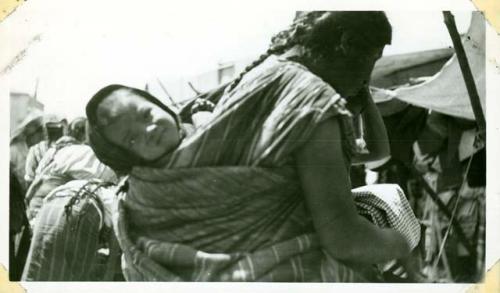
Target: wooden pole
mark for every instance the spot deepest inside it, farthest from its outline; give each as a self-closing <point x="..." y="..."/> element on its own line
<point x="166" y="92"/>
<point x="35" y="94"/>
<point x="442" y="207"/>
<point x="449" y="20"/>
<point x="197" y="92"/>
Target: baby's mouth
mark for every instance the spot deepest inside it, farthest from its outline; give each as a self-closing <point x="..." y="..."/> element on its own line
<point x="154" y="137"/>
<point x="157" y="136"/>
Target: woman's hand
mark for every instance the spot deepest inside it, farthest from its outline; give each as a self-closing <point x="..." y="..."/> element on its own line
<point x="325" y="181"/>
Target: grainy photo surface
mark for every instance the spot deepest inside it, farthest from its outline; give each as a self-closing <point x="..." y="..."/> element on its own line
<point x="317" y="146"/>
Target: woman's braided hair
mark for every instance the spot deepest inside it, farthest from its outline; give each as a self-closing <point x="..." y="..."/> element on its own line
<point x="320" y="32"/>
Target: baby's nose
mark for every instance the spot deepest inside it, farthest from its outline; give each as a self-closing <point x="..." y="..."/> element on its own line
<point x="150" y="128"/>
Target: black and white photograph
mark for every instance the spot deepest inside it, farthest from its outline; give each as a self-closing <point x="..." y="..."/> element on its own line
<point x="164" y="142"/>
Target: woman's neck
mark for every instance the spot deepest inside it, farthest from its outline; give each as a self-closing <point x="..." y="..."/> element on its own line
<point x="305" y="57"/>
<point x="295" y="53"/>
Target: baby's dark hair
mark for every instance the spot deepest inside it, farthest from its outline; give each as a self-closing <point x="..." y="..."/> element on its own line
<point x="116" y="157"/>
<point x="321" y="31"/>
<point x="91" y="109"/>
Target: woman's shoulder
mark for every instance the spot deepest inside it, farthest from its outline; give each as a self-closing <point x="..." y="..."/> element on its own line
<point x="297" y="68"/>
<point x="285" y="66"/>
<point x="300" y="76"/>
<point x="287" y="73"/>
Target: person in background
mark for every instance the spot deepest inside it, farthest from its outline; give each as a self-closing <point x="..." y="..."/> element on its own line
<point x="27" y="135"/>
<point x="73" y="238"/>
<point x="445" y="152"/>
<point x="77" y="129"/>
<point x="54" y="128"/>
<point x="69" y="159"/>
<point x="18" y="226"/>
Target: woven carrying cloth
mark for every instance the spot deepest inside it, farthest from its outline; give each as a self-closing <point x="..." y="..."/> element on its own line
<point x="227" y="204"/>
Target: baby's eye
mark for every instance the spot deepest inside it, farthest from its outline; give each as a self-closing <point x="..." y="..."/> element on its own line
<point x="146" y="113"/>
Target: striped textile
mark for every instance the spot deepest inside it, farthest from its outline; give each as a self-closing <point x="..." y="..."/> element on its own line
<point x="228" y="205"/>
<point x="35" y="155"/>
<point x="61" y="165"/>
<point x="68" y="234"/>
<point x="386" y="206"/>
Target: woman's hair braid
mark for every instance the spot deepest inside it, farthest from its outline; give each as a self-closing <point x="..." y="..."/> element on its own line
<point x="280" y="42"/>
<point x="320" y="32"/>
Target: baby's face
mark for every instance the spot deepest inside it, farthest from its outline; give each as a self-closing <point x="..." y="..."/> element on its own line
<point x="137" y="125"/>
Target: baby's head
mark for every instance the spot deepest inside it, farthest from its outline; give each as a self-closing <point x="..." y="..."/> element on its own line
<point x="130" y="127"/>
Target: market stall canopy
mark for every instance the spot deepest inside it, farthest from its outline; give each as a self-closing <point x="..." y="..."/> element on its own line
<point x="446" y="92"/>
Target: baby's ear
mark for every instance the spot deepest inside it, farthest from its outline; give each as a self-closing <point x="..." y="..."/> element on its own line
<point x="102" y="114"/>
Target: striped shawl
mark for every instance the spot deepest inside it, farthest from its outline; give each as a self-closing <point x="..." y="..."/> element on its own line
<point x="227" y="205"/>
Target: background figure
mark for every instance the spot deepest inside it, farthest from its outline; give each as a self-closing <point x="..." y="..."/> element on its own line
<point x="19" y="226"/>
<point x="435" y="149"/>
<point x="78" y="129"/>
<point x="73" y="238"/>
<point x="447" y="158"/>
<point x="69" y="159"/>
<point x="27" y="135"/>
<point x="54" y="129"/>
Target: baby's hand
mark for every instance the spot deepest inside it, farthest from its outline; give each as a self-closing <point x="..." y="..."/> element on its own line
<point x="202" y="105"/>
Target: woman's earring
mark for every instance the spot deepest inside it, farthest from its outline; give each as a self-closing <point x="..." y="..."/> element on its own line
<point x="339" y="50"/>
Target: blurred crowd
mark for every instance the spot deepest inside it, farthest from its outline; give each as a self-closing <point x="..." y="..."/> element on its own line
<point x="51" y="171"/>
<point x="440" y="163"/>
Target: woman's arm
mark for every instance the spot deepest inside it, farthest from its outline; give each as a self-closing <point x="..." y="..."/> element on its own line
<point x="375" y="136"/>
<point x="343" y="233"/>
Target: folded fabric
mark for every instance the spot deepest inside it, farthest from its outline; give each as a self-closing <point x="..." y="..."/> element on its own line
<point x="386" y="206"/>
